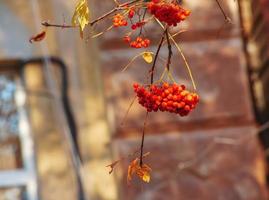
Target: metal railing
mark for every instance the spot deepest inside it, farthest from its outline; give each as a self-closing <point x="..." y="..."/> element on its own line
<point x="28" y="175"/>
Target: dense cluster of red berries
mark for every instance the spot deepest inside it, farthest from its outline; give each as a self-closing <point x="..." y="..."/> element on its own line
<point x="166" y="97"/>
<point x="119" y="20"/>
<point x="138" y="43"/>
<point x="170" y="13"/>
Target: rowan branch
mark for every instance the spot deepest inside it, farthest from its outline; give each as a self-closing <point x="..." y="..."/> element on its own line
<point x="156" y="56"/>
<point x="143" y="139"/>
<point x="117" y="8"/>
<point x="227" y="19"/>
<point x="170" y="52"/>
<point x="47" y="24"/>
<point x="116" y="2"/>
<point x="181" y="54"/>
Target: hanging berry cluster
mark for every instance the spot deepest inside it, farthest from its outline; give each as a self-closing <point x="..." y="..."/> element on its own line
<point x="170" y="13"/>
<point x="118" y="20"/>
<point x="133" y="16"/>
<point x="171" y="98"/>
<point x="138" y="43"/>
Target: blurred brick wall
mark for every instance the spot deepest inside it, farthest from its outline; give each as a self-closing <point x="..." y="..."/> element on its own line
<point x="214" y="51"/>
<point x="222" y="164"/>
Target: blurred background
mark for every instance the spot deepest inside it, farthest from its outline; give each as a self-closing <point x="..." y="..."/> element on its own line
<point x="218" y="152"/>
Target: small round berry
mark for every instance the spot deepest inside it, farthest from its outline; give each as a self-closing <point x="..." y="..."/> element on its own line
<point x="131" y="13"/>
<point x="133" y="26"/>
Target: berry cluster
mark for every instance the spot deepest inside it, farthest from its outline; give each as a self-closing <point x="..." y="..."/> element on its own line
<point x="170" y="13"/>
<point x="138" y="43"/>
<point x="118" y="20"/>
<point x="166" y="97"/>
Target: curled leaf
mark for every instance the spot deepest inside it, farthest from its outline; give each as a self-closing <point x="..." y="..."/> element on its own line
<point x="112" y="166"/>
<point x="147" y="56"/>
<point x="37" y="38"/>
<point x="81" y="16"/>
<point x="143" y="172"/>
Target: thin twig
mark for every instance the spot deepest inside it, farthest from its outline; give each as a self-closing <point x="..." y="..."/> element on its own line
<point x="156" y="56"/>
<point x="185" y="61"/>
<point x="208" y="149"/>
<point x="170" y="52"/>
<point x="143" y="139"/>
<point x="128" y="110"/>
<point x="264" y="127"/>
<point x="113" y="164"/>
<point x="47" y="24"/>
<point x="203" y="153"/>
<point x="227" y="19"/>
<point x="133" y="59"/>
<point x="101" y="33"/>
<point x="143" y="20"/>
<point x="116" y="2"/>
<point x="119" y="7"/>
<point x="181" y="53"/>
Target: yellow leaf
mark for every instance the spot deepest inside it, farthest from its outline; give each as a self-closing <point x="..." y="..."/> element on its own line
<point x="81" y="16"/>
<point x="146" y="177"/>
<point x="147" y="56"/>
<point x="143" y="172"/>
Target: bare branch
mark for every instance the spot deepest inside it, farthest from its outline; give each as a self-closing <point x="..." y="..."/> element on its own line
<point x="170" y="52"/>
<point x="143" y="138"/>
<point x="156" y="56"/>
<point x="119" y="7"/>
<point x="47" y="24"/>
<point x="227" y="19"/>
<point x="181" y="53"/>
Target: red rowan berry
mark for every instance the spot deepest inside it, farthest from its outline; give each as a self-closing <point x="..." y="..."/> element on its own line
<point x="135" y="85"/>
<point x="127" y="39"/>
<point x="133" y="26"/>
<point x="131" y="13"/>
<point x="139" y="39"/>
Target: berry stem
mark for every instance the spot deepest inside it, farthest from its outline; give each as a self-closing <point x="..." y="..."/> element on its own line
<point x="170" y="52"/>
<point x="156" y="56"/>
<point x="181" y="53"/>
<point x="142" y="140"/>
<point x="128" y="110"/>
<point x="143" y="19"/>
<point x="185" y="61"/>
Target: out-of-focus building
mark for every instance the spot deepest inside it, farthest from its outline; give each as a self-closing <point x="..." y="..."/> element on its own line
<point x="214" y="153"/>
<point x="19" y="21"/>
